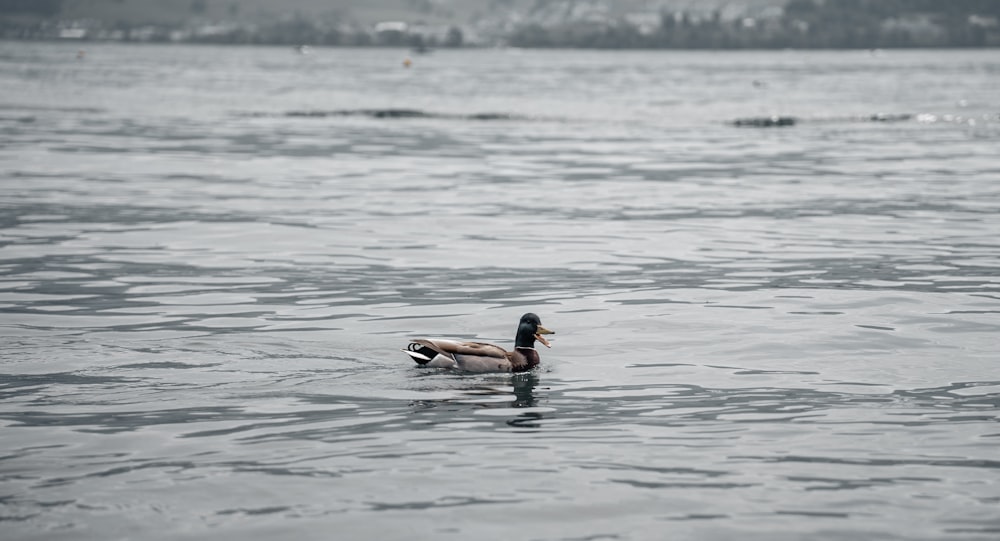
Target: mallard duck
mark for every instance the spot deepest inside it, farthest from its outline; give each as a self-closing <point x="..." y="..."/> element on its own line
<point x="481" y="357"/>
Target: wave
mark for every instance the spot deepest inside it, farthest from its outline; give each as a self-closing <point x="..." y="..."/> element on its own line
<point x="391" y="113"/>
<point x="772" y="121"/>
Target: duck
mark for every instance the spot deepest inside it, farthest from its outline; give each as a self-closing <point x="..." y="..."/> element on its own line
<point x="483" y="357"/>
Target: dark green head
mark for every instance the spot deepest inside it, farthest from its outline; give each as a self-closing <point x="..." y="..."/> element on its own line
<point x="530" y="329"/>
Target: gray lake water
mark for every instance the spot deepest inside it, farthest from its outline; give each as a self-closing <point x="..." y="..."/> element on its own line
<point x="211" y="257"/>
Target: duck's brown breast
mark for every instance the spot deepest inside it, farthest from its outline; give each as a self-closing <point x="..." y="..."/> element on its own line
<point x="524" y="359"/>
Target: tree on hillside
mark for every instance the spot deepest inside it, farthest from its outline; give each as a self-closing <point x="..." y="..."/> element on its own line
<point x="199" y="7"/>
<point x="43" y="8"/>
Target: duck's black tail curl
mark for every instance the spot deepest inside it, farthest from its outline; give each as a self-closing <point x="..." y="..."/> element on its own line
<point x="420" y="353"/>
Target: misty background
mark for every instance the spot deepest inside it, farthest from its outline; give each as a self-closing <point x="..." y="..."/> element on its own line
<point x="522" y="23"/>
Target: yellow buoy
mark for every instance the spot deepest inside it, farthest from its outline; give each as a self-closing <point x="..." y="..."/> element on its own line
<point x="407" y="62"/>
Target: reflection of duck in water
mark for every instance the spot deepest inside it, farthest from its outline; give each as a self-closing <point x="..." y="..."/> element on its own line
<point x="481" y="357"/>
<point x="488" y="392"/>
<point x="524" y="390"/>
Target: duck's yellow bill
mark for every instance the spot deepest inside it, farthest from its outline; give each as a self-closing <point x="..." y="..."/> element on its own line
<point x="538" y="336"/>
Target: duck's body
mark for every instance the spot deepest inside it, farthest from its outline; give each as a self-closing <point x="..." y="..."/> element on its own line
<point x="482" y="357"/>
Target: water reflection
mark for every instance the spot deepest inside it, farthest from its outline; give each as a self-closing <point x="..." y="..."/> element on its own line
<point x="492" y="392"/>
<point x="524" y="390"/>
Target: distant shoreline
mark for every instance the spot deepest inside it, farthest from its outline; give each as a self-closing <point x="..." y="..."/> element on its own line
<point x="81" y="43"/>
<point x="795" y="24"/>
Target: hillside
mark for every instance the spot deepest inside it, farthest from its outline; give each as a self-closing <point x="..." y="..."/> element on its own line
<point x="709" y="24"/>
<point x="363" y="12"/>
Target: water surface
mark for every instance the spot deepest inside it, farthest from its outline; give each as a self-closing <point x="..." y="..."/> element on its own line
<point x="210" y="257"/>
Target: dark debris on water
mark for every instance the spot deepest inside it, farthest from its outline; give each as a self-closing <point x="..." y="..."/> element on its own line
<point x="783" y="121"/>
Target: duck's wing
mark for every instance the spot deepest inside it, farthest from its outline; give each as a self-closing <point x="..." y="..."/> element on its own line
<point x="467" y="356"/>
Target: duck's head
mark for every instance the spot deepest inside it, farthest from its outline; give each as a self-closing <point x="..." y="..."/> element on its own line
<point x="530" y="329"/>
